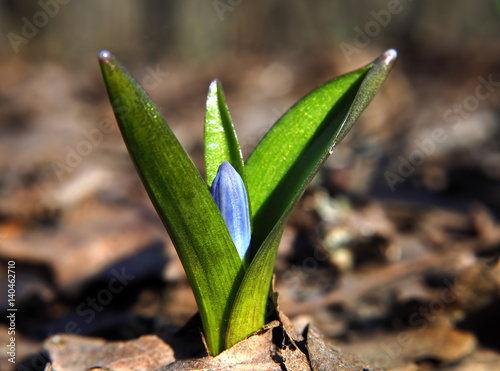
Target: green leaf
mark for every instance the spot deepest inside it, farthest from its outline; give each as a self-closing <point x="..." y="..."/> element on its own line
<point x="221" y="142"/>
<point x="282" y="164"/>
<point x="249" y="311"/>
<point x="281" y="167"/>
<point x="181" y="199"/>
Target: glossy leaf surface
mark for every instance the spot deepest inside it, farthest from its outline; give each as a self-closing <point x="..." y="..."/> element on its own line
<point x="220" y="140"/>
<point x="181" y="199"/>
<point x="281" y="167"/>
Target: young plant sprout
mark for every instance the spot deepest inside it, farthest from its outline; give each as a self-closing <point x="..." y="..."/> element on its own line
<point x="228" y="243"/>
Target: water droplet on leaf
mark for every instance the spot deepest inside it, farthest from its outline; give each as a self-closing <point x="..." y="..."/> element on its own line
<point x="332" y="148"/>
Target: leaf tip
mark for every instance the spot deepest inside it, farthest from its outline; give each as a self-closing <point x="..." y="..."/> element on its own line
<point x="215" y="86"/>
<point x="105" y="56"/>
<point x="212" y="88"/>
<point x="215" y="82"/>
<point x="389" y="57"/>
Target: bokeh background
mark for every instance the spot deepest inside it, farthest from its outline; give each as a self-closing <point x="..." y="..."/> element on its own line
<point x="407" y="207"/>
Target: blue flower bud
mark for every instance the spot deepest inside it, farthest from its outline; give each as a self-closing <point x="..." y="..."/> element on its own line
<point x="230" y="196"/>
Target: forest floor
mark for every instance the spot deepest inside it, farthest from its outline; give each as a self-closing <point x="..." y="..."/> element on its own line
<point x="392" y="253"/>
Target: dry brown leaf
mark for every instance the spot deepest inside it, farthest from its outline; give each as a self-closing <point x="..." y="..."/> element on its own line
<point x="325" y="357"/>
<point x="273" y="347"/>
<point x="76" y="353"/>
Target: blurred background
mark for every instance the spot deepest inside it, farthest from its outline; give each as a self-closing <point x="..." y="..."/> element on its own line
<point x="406" y="208"/>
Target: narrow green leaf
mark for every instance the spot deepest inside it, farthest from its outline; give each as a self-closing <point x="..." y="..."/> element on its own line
<point x="281" y="167"/>
<point x="249" y="311"/>
<point x="181" y="199"/>
<point x="377" y="74"/>
<point x="221" y="142"/>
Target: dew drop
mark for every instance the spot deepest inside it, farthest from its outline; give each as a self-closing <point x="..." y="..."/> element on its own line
<point x="332" y="148"/>
<point x="104" y="56"/>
